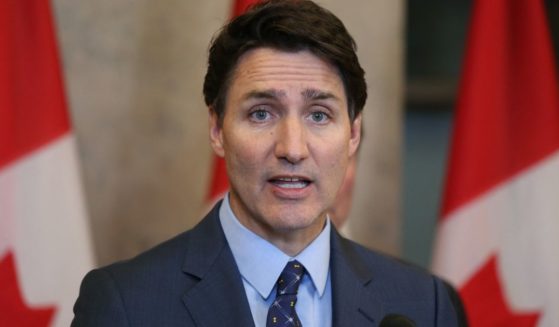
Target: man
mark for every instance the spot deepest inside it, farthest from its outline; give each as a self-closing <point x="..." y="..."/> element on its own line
<point x="285" y="92"/>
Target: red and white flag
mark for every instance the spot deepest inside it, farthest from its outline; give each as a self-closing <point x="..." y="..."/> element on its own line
<point x="498" y="238"/>
<point x="219" y="184"/>
<point x="44" y="241"/>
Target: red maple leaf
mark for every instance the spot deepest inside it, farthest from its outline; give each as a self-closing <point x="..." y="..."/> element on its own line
<point x="13" y="310"/>
<point x="486" y="304"/>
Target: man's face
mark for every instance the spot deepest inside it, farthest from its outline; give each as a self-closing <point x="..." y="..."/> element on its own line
<point x="286" y="138"/>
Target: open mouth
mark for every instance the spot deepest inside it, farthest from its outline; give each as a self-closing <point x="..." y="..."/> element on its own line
<point x="290" y="182"/>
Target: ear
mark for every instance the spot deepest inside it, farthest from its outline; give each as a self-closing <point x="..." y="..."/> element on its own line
<point x="216" y="133"/>
<point x="355" y="135"/>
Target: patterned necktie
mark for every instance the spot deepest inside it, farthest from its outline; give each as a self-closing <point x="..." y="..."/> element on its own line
<point x="282" y="311"/>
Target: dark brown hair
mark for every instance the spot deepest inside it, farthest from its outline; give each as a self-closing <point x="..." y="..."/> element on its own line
<point x="287" y="25"/>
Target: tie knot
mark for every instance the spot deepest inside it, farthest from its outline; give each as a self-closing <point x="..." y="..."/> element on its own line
<point x="290" y="278"/>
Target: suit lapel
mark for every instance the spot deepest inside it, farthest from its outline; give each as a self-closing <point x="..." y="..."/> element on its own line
<point x="352" y="303"/>
<point x="218" y="298"/>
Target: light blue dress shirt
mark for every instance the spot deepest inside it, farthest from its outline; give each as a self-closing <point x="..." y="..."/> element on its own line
<point x="260" y="264"/>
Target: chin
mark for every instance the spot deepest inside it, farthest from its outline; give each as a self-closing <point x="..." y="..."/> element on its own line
<point x="292" y="220"/>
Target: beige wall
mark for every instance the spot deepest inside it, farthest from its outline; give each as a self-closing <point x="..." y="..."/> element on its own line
<point x="134" y="72"/>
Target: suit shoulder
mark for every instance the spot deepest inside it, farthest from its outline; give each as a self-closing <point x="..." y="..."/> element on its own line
<point x="394" y="272"/>
<point x="148" y="289"/>
<point x="204" y="239"/>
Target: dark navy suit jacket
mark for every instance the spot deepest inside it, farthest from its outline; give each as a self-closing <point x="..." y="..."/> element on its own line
<point x="192" y="280"/>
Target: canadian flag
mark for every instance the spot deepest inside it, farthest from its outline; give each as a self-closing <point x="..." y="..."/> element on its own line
<point x="498" y="238"/>
<point x="44" y="242"/>
<point x="219" y="184"/>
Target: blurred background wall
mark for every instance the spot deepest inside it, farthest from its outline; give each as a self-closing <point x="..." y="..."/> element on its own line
<point x="133" y="78"/>
<point x="134" y="73"/>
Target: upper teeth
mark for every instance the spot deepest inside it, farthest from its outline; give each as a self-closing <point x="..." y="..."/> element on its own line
<point x="291" y="183"/>
<point x="289" y="179"/>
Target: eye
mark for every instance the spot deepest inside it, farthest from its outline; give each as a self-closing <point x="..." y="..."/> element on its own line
<point x="319" y="117"/>
<point x="260" y="115"/>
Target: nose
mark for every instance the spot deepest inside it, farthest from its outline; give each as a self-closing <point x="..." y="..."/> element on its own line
<point x="291" y="141"/>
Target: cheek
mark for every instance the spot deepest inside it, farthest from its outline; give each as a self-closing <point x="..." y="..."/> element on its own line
<point x="243" y="153"/>
<point x="335" y="160"/>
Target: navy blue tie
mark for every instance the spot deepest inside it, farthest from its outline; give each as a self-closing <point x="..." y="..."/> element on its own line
<point x="282" y="311"/>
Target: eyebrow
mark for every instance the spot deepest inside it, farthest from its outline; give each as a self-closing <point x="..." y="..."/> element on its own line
<point x="314" y="94"/>
<point x="265" y="94"/>
<point x="308" y="94"/>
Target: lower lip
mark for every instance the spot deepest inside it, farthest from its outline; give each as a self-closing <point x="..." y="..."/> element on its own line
<point x="290" y="193"/>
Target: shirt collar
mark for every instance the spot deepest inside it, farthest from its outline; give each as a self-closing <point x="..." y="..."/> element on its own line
<point x="260" y="262"/>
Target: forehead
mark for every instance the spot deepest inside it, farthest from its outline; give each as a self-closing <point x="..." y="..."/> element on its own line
<point x="267" y="68"/>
